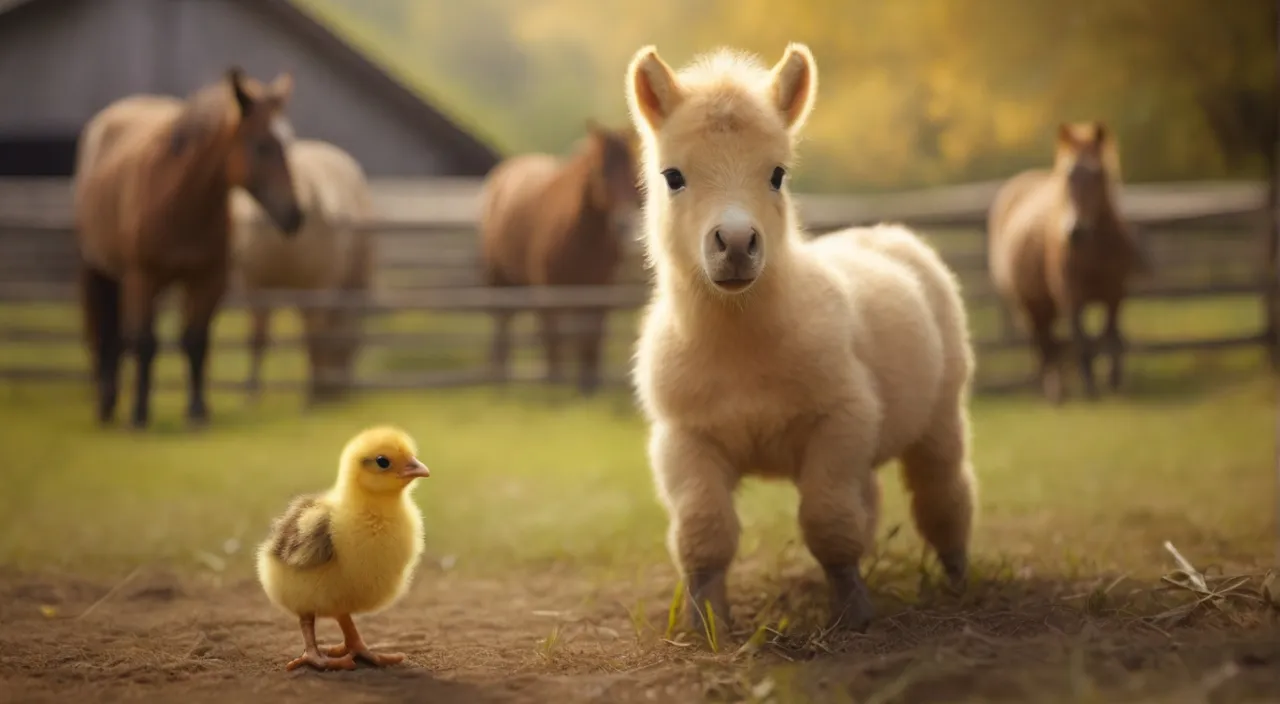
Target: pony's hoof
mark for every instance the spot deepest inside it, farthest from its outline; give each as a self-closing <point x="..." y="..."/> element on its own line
<point x="851" y="609"/>
<point x="956" y="566"/>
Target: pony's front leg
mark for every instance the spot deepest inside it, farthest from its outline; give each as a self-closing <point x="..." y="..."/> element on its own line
<point x="839" y="500"/>
<point x="201" y="301"/>
<point x="696" y="482"/>
<point x="1084" y="350"/>
<point x="1115" y="345"/>
<point x="140" y="293"/>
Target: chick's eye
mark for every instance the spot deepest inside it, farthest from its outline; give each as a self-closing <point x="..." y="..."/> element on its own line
<point x="675" y="179"/>
<point x="775" y="181"/>
<point x="382" y="461"/>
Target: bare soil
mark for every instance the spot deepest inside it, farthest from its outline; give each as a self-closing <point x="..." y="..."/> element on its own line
<point x="157" y="636"/>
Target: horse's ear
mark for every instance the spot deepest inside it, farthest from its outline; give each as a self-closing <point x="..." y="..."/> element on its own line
<point x="282" y="87"/>
<point x="592" y="126"/>
<point x="795" y="85"/>
<point x="652" y="90"/>
<point x="1100" y="133"/>
<point x="1066" y="135"/>
<point x="235" y="76"/>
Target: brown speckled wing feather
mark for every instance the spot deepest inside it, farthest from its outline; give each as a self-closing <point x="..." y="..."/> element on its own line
<point x="300" y="538"/>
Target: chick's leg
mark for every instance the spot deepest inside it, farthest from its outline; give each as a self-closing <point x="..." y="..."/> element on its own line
<point x="311" y="655"/>
<point x="353" y="644"/>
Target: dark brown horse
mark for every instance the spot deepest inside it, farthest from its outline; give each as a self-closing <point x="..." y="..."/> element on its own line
<point x="1057" y="242"/>
<point x="152" y="184"/>
<point x="551" y="222"/>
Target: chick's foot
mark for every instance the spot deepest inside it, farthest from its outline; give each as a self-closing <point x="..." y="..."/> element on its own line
<point x="353" y="644"/>
<point x="320" y="662"/>
<point x="362" y="652"/>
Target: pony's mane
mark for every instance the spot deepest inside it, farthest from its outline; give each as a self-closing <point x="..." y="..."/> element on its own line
<point x="723" y="66"/>
<point x="205" y="113"/>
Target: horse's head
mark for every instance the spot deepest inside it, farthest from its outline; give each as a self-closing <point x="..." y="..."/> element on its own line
<point x="719" y="137"/>
<point x="1087" y="162"/>
<point x="263" y="134"/>
<point x="613" y="172"/>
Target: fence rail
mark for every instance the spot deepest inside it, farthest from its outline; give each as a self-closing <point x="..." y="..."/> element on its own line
<point x="1204" y="239"/>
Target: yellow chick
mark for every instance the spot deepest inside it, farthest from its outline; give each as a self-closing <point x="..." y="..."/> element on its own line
<point x="349" y="550"/>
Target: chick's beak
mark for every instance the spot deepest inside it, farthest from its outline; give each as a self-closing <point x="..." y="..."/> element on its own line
<point x="414" y="470"/>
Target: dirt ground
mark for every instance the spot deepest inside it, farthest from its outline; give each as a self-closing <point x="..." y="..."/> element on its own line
<point x="155" y="636"/>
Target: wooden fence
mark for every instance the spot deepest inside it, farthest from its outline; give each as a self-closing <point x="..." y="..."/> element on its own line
<point x="1205" y="239"/>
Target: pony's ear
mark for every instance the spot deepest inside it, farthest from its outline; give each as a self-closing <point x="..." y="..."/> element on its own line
<point x="1100" y="132"/>
<point x="235" y="76"/>
<point x="652" y="90"/>
<point x="282" y="87"/>
<point x="592" y="126"/>
<point x="795" y="85"/>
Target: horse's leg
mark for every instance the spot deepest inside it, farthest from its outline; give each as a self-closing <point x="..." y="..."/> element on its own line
<point x="1047" y="349"/>
<point x="550" y="320"/>
<point x="589" y="348"/>
<point x="140" y="292"/>
<point x="501" y="345"/>
<point x="101" y="305"/>
<point x="1083" y="347"/>
<point x="201" y="300"/>
<point x="318" y="324"/>
<point x="1115" y="344"/>
<point x="260" y="317"/>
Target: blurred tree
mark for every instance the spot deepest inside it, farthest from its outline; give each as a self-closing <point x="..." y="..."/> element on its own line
<point x="913" y="92"/>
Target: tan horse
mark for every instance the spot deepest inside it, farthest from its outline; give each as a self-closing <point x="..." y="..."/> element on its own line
<point x="153" y="176"/>
<point x="330" y="252"/>
<point x="1057" y="242"/>
<point x="545" y="221"/>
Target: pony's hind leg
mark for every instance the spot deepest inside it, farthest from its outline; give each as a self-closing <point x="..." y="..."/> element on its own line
<point x="1083" y="348"/>
<point x="943" y="490"/>
<point x="839" y="503"/>
<point x="1115" y="345"/>
<point x="549" y="320"/>
<point x="696" y="485"/>
<point x="260" y="319"/>
<point x="139" y="299"/>
<point x="500" y="348"/>
<point x="590" y="345"/>
<point x="1048" y="352"/>
<point x="101" y="303"/>
<point x="201" y="299"/>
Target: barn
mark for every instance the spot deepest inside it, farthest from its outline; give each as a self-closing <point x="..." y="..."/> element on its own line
<point x="63" y="60"/>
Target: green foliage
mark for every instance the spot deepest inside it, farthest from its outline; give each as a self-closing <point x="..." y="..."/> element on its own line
<point x="913" y="93"/>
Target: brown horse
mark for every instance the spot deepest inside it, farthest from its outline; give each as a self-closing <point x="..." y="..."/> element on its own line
<point x="152" y="185"/>
<point x="1057" y="242"/>
<point x="547" y="222"/>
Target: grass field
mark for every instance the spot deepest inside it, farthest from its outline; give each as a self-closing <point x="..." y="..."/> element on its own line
<point x="546" y="578"/>
<point x="126" y="558"/>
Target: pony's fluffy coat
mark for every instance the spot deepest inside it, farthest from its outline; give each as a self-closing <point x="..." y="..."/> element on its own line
<point x="846" y="352"/>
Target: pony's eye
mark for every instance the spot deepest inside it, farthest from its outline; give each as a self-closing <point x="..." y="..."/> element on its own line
<point x="775" y="181"/>
<point x="675" y="179"/>
<point x="382" y="462"/>
<point x="263" y="149"/>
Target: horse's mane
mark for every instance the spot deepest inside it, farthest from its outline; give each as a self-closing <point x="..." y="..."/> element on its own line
<point x="207" y="113"/>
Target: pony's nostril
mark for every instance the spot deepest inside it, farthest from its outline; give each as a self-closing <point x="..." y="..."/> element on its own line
<point x="753" y="244"/>
<point x="720" y="242"/>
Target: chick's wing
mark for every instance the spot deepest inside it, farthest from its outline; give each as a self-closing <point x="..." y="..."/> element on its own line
<point x="300" y="538"/>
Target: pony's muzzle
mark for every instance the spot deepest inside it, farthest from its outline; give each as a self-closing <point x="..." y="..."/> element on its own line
<point x="291" y="221"/>
<point x="733" y="255"/>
